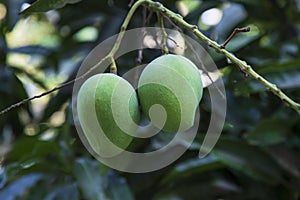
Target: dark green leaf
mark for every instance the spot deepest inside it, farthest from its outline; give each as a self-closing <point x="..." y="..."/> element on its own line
<point x="46" y="5"/>
<point x="16" y="189"/>
<point x="64" y="193"/>
<point x="251" y="160"/>
<point x="268" y="132"/>
<point x="31" y="148"/>
<point x="119" y="188"/>
<point x="192" y="167"/>
<point x="90" y="182"/>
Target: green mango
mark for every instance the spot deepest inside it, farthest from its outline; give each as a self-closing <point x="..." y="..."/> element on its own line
<point x="169" y="90"/>
<point x="108" y="113"/>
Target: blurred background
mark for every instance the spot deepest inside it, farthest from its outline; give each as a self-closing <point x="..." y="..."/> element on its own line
<point x="42" y="157"/>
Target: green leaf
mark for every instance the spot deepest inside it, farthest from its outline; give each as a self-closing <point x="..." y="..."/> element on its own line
<point x="90" y="182"/>
<point x="15" y="189"/>
<point x="192" y="167"/>
<point x="119" y="188"/>
<point x="29" y="148"/>
<point x="251" y="160"/>
<point x="191" y="5"/>
<point x="11" y="91"/>
<point x="46" y="5"/>
<point x="268" y="132"/>
<point x="287" y="159"/>
<point x="31" y="76"/>
<point x="57" y="101"/>
<point x="64" y="193"/>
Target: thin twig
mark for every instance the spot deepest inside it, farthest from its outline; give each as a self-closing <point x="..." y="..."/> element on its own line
<point x="164" y="34"/>
<point x="130" y="3"/>
<point x="149" y="17"/>
<point x="53" y="89"/>
<point x="140" y="51"/>
<point x="35" y="97"/>
<point x="235" y="31"/>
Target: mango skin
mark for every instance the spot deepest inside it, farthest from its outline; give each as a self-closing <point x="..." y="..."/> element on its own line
<point x="174" y="83"/>
<point x="107" y="108"/>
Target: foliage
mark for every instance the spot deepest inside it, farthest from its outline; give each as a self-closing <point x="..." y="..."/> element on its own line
<point x="42" y="157"/>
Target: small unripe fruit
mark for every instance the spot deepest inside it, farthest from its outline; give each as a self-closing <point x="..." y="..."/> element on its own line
<point x="108" y="111"/>
<point x="170" y="89"/>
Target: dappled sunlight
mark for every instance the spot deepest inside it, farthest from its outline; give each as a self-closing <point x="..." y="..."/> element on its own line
<point x="211" y="17"/>
<point x="3" y="11"/>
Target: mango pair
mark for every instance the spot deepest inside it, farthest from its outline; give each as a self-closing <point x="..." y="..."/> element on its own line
<point x="169" y="91"/>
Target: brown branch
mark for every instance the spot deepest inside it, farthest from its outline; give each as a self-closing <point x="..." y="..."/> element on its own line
<point x="130" y="3"/>
<point x="235" y="31"/>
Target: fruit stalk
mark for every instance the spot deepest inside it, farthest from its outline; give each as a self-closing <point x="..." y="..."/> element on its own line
<point x="164" y="34"/>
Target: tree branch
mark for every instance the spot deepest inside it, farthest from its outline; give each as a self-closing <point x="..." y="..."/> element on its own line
<point x="242" y="64"/>
<point x="158" y="7"/>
